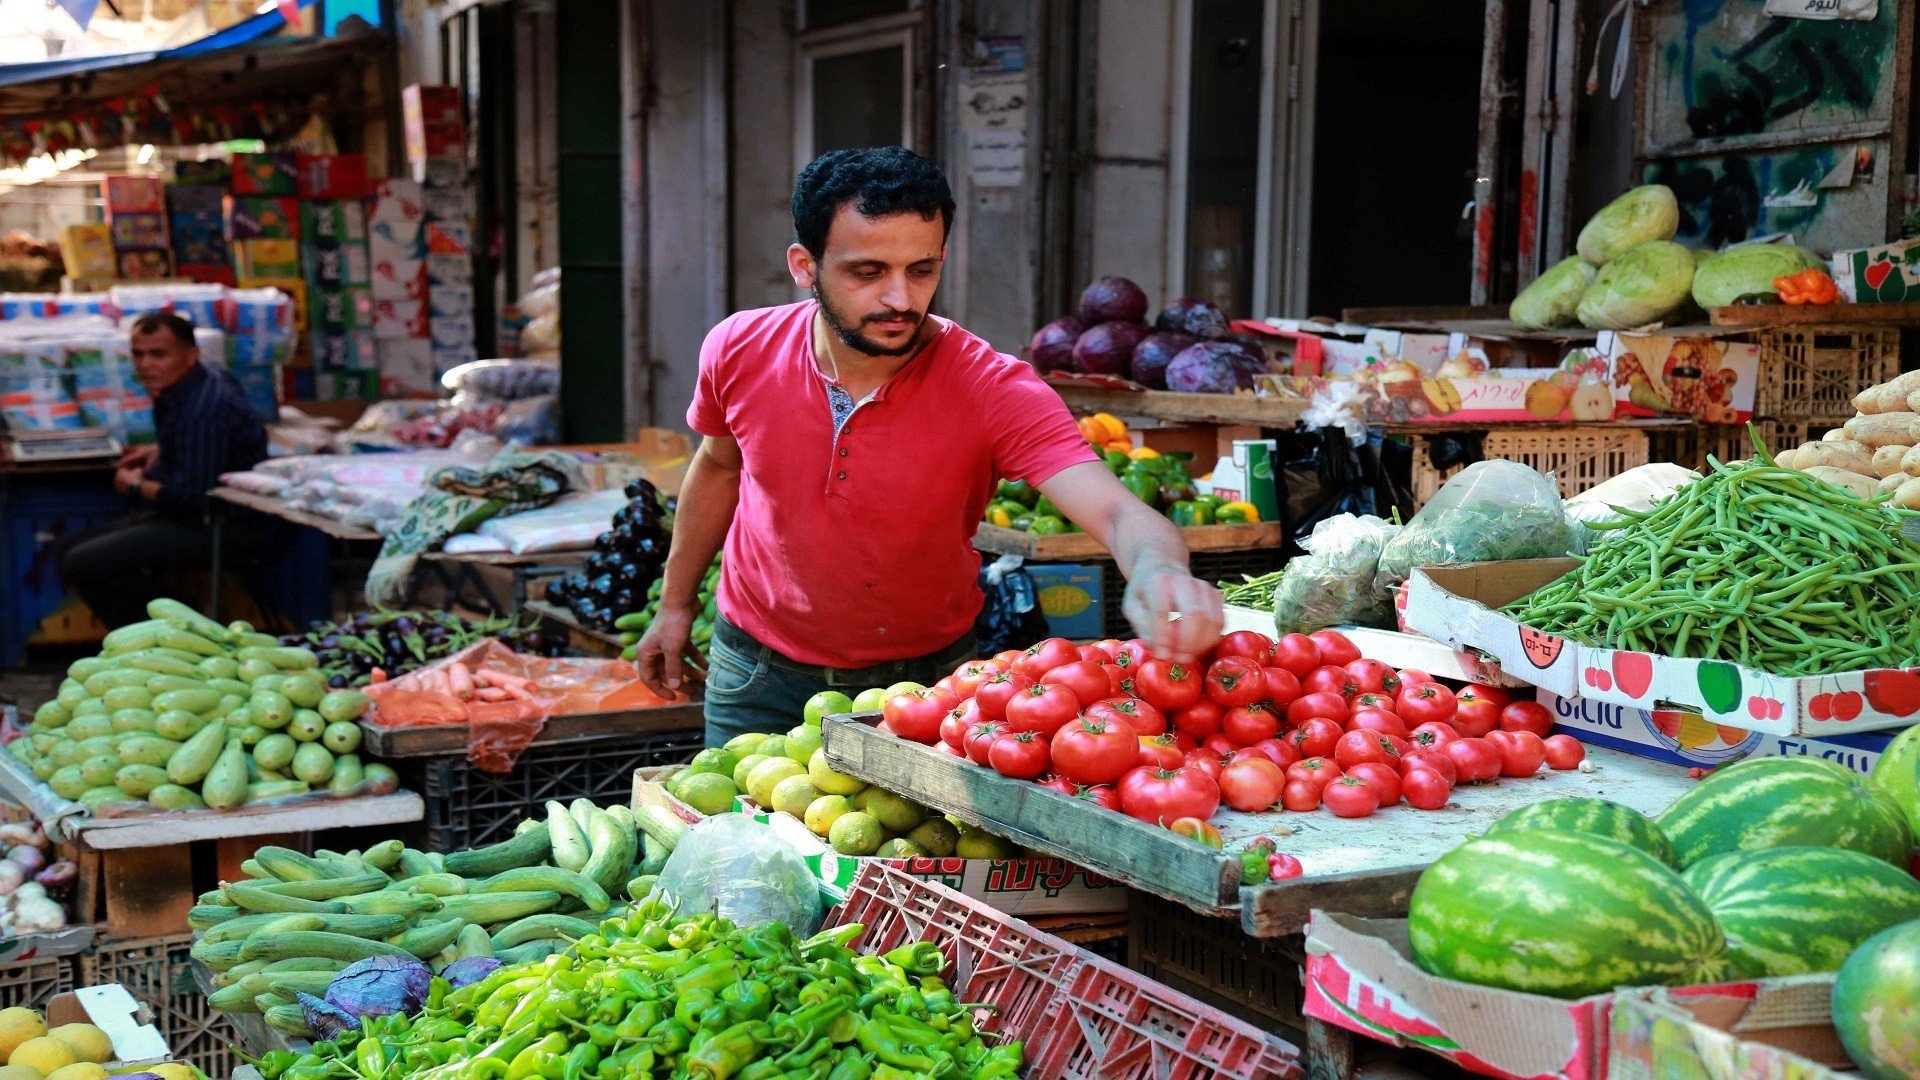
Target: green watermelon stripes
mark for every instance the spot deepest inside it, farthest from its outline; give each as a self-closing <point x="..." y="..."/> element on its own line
<point x="1595" y="817"/>
<point x="1786" y="802"/>
<point x="1801" y="910"/>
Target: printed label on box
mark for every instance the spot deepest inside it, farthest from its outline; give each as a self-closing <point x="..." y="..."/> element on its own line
<point x="406" y="366"/>
<point x="449" y="269"/>
<point x="191" y="199"/>
<point x="1685" y="738"/>
<point x="389" y="241"/>
<point x="1069" y="596"/>
<point x="263" y="218"/>
<point x="332" y="176"/>
<point x="451" y="302"/>
<point x="267" y="258"/>
<point x="135" y="194"/>
<point x="450" y="333"/>
<point x="445" y="359"/>
<point x="342" y="309"/>
<point x="448" y="238"/>
<point x="1882" y="274"/>
<point x="271" y="173"/>
<point x="448" y="204"/>
<point x="87" y="250"/>
<point x="400" y="319"/>
<point x="1709" y="379"/>
<point x="440" y="172"/>
<point x="399" y="280"/>
<point x="139" y="232"/>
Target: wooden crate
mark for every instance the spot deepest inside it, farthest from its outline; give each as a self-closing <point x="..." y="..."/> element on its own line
<point x="998" y="540"/>
<point x="1577" y="457"/>
<point x="158" y="971"/>
<point x="145" y="892"/>
<point x="1811" y="373"/>
<point x="1690" y="447"/>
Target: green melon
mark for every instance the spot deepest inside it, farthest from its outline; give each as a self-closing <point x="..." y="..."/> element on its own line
<point x="1801" y="910"/>
<point x="1876" y="1004"/>
<point x="1898" y="774"/>
<point x="1595" y="817"/>
<point x="1786" y="802"/>
<point x="1560" y="913"/>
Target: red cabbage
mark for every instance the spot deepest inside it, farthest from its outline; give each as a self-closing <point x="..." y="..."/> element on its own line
<point x="1112" y="299"/>
<point x="1192" y="315"/>
<point x="1052" y="345"/>
<point x="327" y="1021"/>
<point x="1154" y="353"/>
<point x="1213" y="367"/>
<point x="380" y="985"/>
<point x="1107" y="349"/>
<point x="468" y="969"/>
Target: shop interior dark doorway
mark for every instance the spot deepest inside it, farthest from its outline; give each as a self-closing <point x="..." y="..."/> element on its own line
<point x="1397" y="106"/>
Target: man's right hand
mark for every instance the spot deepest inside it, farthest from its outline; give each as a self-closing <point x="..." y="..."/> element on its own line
<point x="137" y="457"/>
<point x="665" y="655"/>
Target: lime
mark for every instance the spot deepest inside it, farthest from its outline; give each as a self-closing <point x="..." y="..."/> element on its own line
<point x="802" y="742"/>
<point x="900" y="848"/>
<point x="855" y="834"/>
<point x="715" y="761"/>
<point x="824" y="702"/>
<point x="767" y="775"/>
<point x="936" y="836"/>
<point x="746" y="744"/>
<point x="745" y="769"/>
<point x="829" y="781"/>
<point x="824" y="811"/>
<point x="772" y="746"/>
<point x="974" y="844"/>
<point x="794" y="794"/>
<point x="709" y="793"/>
<point x="895" y="812"/>
<point x="901" y="688"/>
<point x="870" y="700"/>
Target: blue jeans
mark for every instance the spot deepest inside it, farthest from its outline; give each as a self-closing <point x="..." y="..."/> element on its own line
<point x="752" y="688"/>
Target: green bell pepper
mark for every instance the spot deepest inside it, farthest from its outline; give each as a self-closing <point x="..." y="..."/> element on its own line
<point x="1016" y="491"/>
<point x="1189" y="512"/>
<point x="1043" y="525"/>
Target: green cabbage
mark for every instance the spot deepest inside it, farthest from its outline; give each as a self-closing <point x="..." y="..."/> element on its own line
<point x="1641" y="216"/>
<point x="1642" y="286"/>
<point x="1553" y="296"/>
<point x="1748" y="271"/>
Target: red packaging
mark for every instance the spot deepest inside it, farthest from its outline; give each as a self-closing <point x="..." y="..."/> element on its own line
<point x="332" y="176"/>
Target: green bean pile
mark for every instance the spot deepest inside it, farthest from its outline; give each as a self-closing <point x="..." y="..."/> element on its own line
<point x="1760" y="565"/>
<point x="1250" y="591"/>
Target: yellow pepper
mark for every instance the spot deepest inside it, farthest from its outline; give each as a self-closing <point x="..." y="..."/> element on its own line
<point x="1143" y="453"/>
<point x="1236" y="512"/>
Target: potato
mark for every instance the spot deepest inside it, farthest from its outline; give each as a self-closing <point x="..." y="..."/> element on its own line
<point x="1890" y="396"/>
<point x="1907" y="496"/>
<point x="1836" y="435"/>
<point x="1786" y="458"/>
<point x="1864" y="486"/>
<point x="1850" y="456"/>
<point x="1910" y="462"/>
<point x="1889" y="484"/>
<point x="1887" y="459"/>
<point x="1885" y="429"/>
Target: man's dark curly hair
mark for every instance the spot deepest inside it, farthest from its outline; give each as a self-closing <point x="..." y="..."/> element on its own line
<point x="878" y="180"/>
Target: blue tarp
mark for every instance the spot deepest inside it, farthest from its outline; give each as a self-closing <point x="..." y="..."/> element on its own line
<point x="240" y="33"/>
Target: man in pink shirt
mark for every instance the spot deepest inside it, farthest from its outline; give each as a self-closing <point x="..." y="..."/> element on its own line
<point x="850" y="444"/>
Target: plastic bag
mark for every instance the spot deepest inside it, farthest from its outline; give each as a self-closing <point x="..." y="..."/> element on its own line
<point x="1636" y="489"/>
<point x="741" y="870"/>
<point x="1334" y="584"/>
<point x="1489" y="511"/>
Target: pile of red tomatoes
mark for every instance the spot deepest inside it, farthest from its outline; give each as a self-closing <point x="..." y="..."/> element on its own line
<point x="1258" y="724"/>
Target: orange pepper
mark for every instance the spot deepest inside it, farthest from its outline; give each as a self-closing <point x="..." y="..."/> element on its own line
<point x="1806" y="287"/>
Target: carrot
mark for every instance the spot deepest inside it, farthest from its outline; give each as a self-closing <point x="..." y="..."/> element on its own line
<point x="490" y="693"/>
<point x="460" y="680"/>
<point x="379" y="676"/>
<point x="510" y="682"/>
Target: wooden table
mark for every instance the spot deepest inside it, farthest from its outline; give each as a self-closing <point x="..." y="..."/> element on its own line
<point x="278" y="507"/>
<point x="586" y="639"/>
<point x="457" y="571"/>
<point x="1364" y="866"/>
<point x="1759" y="316"/>
<point x="1223" y="409"/>
<point x="996" y="539"/>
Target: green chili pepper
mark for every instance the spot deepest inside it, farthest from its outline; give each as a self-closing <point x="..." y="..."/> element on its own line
<point x="671" y="1036"/>
<point x="544" y="1058"/>
<point x="707" y="977"/>
<point x="692" y="1004"/>
<point x="876" y="1038"/>
<point x="750" y="999"/>
<point x="852" y="1067"/>
<point x="638" y="1021"/>
<point x="728" y="1051"/>
<point x="581" y="1060"/>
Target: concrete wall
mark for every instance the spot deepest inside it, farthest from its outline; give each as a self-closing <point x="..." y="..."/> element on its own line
<point x="1131" y="162"/>
<point x="760" y="140"/>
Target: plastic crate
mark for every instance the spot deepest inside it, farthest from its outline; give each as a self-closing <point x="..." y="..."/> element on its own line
<point x="33" y="983"/>
<point x="1255" y="979"/>
<point x="1206" y="565"/>
<point x="1690" y="447"/>
<point x="1078" y="1015"/>
<point x="1577" y="457"/>
<point x="1812" y="373"/>
<point x="35" y="518"/>
<point x="158" y="971"/>
<point x="468" y="808"/>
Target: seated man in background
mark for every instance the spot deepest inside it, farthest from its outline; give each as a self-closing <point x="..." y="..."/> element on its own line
<point x="204" y="427"/>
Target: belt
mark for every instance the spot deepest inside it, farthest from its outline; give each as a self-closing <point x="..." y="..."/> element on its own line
<point x="920" y="668"/>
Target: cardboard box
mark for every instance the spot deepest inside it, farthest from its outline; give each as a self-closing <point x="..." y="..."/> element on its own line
<point x="258" y="217"/>
<point x="198" y="249"/>
<point x="400" y="319"/>
<point x="398" y="200"/>
<point x="139" y="232"/>
<point x="197" y="199"/>
<point x="1779" y="1029"/>
<point x="332" y="222"/>
<point x="406" y="368"/>
<point x="341" y="309"/>
<point x="295" y="289"/>
<point x="1684" y="738"/>
<point x="344" y="350"/>
<point x="213" y="173"/>
<point x="448" y="357"/>
<point x="450" y="302"/>
<point x="396" y="279"/>
<point x="86" y="251"/>
<point x="448" y="204"/>
<point x="331" y="176"/>
<point x="421" y="104"/>
<point x="271" y="259"/>
<point x="220" y="273"/>
<point x="448" y="238"/>
<point x="450" y="333"/>
<point x="1360" y="976"/>
<point x="127" y="1023"/>
<point x="1882" y="274"/>
<point x="144" y="265"/>
<point x="338" y="267"/>
<point x="271" y="173"/>
<point x="449" y="270"/>
<point x="257" y="350"/>
<point x="1459" y="605"/>
<point x="397" y="241"/>
<point x="1706" y="377"/>
<point x="307" y="385"/>
<point x="436" y="142"/>
<point x="134" y="194"/>
<point x="440" y="172"/>
<point x="1070" y="597"/>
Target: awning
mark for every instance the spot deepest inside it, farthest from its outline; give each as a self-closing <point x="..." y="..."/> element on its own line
<point x="240" y="33"/>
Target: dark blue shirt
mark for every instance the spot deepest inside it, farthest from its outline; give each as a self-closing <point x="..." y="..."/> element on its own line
<point x="205" y="427"/>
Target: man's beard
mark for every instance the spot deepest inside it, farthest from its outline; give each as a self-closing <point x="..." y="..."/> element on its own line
<point x="849" y="332"/>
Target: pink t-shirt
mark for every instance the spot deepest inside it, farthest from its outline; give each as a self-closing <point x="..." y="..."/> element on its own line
<point x="856" y="550"/>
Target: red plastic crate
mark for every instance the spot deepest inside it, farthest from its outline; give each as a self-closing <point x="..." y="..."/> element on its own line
<point x="1079" y="1016"/>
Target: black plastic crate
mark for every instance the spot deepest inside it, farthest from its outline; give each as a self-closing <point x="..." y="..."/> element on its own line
<point x="1211" y="958"/>
<point x="468" y="808"/>
<point x="158" y="971"/>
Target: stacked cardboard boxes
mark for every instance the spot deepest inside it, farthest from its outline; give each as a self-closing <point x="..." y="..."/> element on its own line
<point x="436" y="153"/>
<point x="397" y="247"/>
<point x="137" y="226"/>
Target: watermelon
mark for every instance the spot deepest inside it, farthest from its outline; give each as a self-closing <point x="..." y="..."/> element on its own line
<point x="1564" y="914"/>
<point x="1898" y="774"/>
<point x="1876" y="1004"/>
<point x="1800" y="910"/>
<point x="1786" y="802"/>
<point x="1598" y="817"/>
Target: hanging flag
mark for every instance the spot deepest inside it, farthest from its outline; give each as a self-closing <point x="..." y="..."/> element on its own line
<point x="81" y="10"/>
<point x="289" y="10"/>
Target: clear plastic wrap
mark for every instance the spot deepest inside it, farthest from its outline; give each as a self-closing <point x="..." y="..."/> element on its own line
<point x="1490" y="511"/>
<point x="501" y="380"/>
<point x="741" y="870"/>
<point x="1636" y="489"/>
<point x="1334" y="584"/>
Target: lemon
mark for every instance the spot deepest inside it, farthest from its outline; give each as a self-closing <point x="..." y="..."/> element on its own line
<point x="767" y="775"/>
<point x="709" y="793"/>
<point x="824" y="702"/>
<point x="980" y="845"/>
<point x="937" y="836"/>
<point x="772" y="746"/>
<point x="870" y="700"/>
<point x="87" y="1042"/>
<point x="794" y="794"/>
<point x="748" y="743"/>
<point x="714" y="760"/>
<point x="900" y="848"/>
<point x="827" y="780"/>
<point x="821" y="814"/>
<point x="802" y="742"/>
<point x="745" y="769"/>
<point x="17" y="1025"/>
<point x="896" y="812"/>
<point x="45" y="1054"/>
<point x="79" y="1070"/>
<point x="19" y="1072"/>
<point x="855" y="834"/>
